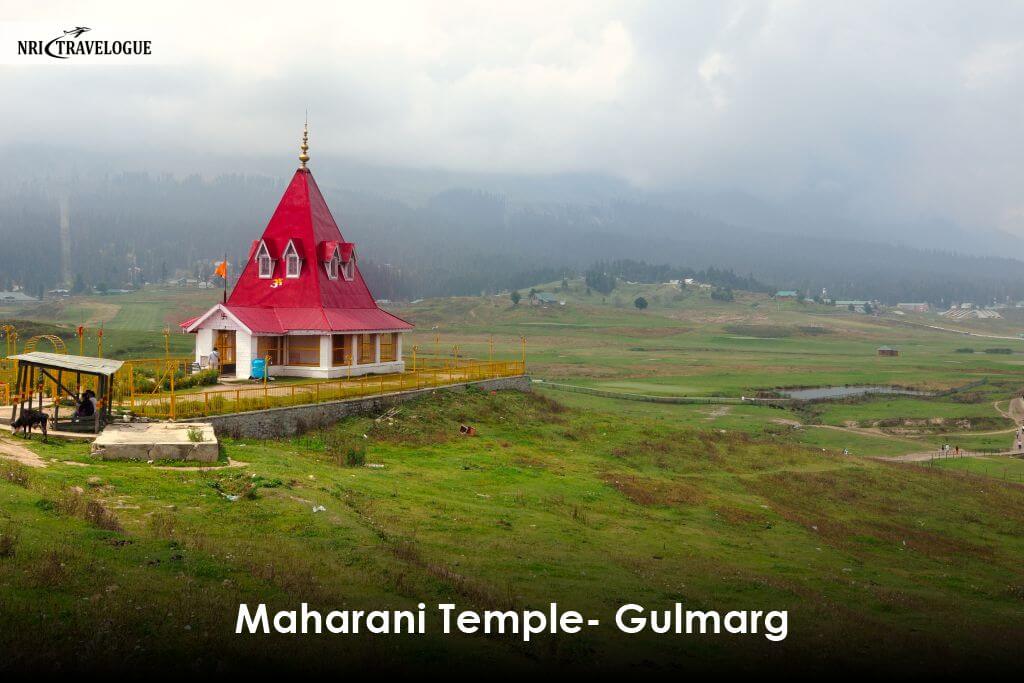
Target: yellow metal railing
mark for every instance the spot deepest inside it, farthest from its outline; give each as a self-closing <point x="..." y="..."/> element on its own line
<point x="146" y="386"/>
<point x="138" y="376"/>
<point x="8" y="371"/>
<point x="177" y="405"/>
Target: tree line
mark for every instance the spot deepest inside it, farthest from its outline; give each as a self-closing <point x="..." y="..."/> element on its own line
<point x="131" y="228"/>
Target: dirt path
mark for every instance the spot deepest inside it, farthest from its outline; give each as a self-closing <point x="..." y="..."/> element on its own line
<point x="19" y="453"/>
<point x="869" y="431"/>
<point x="953" y="330"/>
<point x="1004" y="413"/>
<point x="936" y="455"/>
<point x="1017" y="410"/>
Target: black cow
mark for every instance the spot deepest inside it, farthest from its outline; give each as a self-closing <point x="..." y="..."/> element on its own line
<point x="29" y="419"/>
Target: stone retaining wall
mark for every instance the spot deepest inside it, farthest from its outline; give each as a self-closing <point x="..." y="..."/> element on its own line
<point x="291" y="420"/>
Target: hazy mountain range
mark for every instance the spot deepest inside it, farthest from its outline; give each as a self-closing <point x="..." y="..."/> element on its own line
<point x="443" y="232"/>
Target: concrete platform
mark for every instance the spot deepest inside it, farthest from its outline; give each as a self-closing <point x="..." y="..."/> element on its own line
<point x="157" y="441"/>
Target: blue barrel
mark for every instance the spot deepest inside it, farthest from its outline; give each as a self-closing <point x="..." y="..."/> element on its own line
<point x="259" y="368"/>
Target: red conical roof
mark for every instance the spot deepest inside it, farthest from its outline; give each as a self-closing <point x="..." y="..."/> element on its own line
<point x="312" y="301"/>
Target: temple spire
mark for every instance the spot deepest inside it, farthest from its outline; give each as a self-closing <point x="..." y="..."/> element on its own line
<point x="304" y="156"/>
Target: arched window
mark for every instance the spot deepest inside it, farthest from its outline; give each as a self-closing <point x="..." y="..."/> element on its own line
<point x="264" y="262"/>
<point x="292" y="261"/>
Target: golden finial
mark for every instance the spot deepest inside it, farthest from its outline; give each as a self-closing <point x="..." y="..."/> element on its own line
<point x="304" y="157"/>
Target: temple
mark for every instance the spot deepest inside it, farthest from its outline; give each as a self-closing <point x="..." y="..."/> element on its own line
<point x="300" y="300"/>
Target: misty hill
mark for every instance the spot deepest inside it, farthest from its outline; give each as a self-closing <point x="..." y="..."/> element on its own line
<point x="427" y="233"/>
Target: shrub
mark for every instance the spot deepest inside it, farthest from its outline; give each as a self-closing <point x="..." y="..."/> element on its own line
<point x="8" y="540"/>
<point x="72" y="503"/>
<point x="965" y="349"/>
<point x="162" y="524"/>
<point x="51" y="569"/>
<point x="999" y="350"/>
<point x="202" y="378"/>
<point x="345" y="450"/>
<point x="722" y="294"/>
<point x="100" y="517"/>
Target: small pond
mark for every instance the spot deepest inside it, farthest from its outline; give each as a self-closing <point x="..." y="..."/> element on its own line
<point x="818" y="393"/>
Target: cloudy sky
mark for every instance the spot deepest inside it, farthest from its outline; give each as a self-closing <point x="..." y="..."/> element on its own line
<point x="890" y="109"/>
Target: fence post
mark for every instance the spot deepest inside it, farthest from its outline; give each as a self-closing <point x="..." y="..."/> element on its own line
<point x="172" y="395"/>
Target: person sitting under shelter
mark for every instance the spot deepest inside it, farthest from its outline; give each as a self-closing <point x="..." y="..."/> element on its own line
<point x="87" y="406"/>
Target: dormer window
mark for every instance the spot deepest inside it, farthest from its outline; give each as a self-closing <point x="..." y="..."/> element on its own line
<point x="292" y="261"/>
<point x="331" y="265"/>
<point x="264" y="262"/>
<point x="346" y="255"/>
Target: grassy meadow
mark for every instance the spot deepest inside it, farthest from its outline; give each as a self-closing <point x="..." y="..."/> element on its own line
<point x="132" y="323"/>
<point x="131" y="565"/>
<point x="586" y="500"/>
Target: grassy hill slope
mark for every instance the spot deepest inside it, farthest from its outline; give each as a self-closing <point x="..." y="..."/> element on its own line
<point x="133" y="566"/>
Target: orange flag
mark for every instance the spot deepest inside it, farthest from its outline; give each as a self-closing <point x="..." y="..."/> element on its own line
<point x="222" y="269"/>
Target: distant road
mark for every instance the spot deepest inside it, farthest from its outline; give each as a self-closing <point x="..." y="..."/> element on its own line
<point x="938" y="455"/>
<point x="954" y="331"/>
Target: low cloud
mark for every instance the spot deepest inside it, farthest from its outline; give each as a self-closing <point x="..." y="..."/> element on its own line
<point x="885" y="110"/>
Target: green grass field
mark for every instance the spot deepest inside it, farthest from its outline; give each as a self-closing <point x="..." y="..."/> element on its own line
<point x="1005" y="468"/>
<point x="587" y="500"/>
<point x="684" y="344"/>
<point x="132" y="323"/>
<point x="584" y="505"/>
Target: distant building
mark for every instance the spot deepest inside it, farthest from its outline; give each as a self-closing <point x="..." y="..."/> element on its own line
<point x="887" y="351"/>
<point x="971" y="314"/>
<point x="914" y="308"/>
<point x="786" y="294"/>
<point x="16" y="297"/>
<point x="854" y="305"/>
<point x="545" y="299"/>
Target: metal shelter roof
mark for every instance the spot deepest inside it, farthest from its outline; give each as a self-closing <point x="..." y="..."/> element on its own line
<point x="85" y="364"/>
